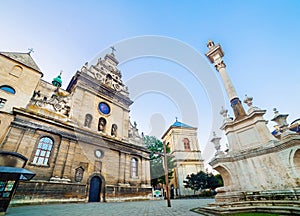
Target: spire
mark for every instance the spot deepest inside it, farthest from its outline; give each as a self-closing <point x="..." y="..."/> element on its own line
<point x="57" y="81"/>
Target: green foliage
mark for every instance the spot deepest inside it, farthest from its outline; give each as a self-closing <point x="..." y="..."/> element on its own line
<point x="156" y="160"/>
<point x="202" y="180"/>
<point x="219" y="179"/>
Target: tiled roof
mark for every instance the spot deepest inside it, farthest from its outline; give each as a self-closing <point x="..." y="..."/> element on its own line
<point x="180" y="124"/>
<point x="23" y="58"/>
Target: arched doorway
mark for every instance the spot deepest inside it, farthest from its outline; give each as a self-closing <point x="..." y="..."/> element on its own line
<point x="95" y="189"/>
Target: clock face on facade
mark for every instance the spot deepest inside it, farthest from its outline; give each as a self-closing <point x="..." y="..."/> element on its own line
<point x="98" y="153"/>
<point x="104" y="108"/>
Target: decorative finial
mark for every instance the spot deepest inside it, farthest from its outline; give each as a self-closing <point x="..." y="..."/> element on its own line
<point x="30" y="50"/>
<point x="112" y="50"/>
<point x="60" y="73"/>
<point x="176" y="118"/>
<point x="216" y="141"/>
<point x="224" y="112"/>
<point x="281" y="121"/>
<point x="248" y="100"/>
<point x="210" y="44"/>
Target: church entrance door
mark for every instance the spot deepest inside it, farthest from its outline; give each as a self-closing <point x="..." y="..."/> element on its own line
<point x="95" y="189"/>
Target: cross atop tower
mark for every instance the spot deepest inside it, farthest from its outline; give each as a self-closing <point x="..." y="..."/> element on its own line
<point x="113" y="49"/>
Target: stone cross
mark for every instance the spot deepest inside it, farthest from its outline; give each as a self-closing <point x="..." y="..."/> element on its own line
<point x="30" y="50"/>
<point x="112" y="49"/>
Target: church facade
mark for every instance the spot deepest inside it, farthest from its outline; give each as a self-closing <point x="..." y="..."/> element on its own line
<point x="184" y="148"/>
<point x="79" y="141"/>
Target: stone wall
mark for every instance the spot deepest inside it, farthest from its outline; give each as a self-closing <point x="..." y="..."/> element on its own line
<point x="38" y="192"/>
<point x="43" y="191"/>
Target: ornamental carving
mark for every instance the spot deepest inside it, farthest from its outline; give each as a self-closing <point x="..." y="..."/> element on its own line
<point x="133" y="134"/>
<point x="79" y="174"/>
<point x="106" y="73"/>
<point x="220" y="65"/>
<point x="58" y="102"/>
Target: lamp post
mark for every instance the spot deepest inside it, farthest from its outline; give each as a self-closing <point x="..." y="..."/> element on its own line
<point x="164" y="155"/>
<point x="166" y="175"/>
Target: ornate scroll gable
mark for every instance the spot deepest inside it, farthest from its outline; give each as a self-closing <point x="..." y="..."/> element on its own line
<point x="106" y="73"/>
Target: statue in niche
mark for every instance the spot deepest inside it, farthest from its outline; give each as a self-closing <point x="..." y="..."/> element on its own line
<point x="88" y="120"/>
<point x="101" y="124"/>
<point x="114" y="129"/>
<point x="79" y="174"/>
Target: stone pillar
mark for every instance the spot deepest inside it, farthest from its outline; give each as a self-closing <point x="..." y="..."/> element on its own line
<point x="215" y="54"/>
<point x="68" y="172"/>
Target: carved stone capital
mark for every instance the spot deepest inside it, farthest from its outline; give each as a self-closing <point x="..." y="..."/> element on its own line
<point x="220" y="65"/>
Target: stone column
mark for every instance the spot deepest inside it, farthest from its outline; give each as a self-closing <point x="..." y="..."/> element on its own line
<point x="215" y="54"/>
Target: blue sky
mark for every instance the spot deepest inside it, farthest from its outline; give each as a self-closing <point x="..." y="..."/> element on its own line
<point x="260" y="40"/>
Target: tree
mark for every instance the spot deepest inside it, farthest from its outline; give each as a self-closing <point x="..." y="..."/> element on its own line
<point x="196" y="181"/>
<point x="156" y="160"/>
<point x="202" y="180"/>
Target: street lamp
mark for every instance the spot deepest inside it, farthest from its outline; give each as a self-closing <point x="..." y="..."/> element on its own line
<point x="164" y="155"/>
<point x="166" y="175"/>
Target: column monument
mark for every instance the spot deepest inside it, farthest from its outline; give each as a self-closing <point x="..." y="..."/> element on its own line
<point x="261" y="173"/>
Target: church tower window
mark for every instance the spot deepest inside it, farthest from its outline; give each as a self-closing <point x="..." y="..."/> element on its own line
<point x="186" y="144"/>
<point x="43" y="151"/>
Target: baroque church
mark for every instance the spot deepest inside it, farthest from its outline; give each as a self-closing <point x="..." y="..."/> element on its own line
<point x="79" y="141"/>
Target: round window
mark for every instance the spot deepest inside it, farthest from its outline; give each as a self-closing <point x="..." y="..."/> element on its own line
<point x="104" y="108"/>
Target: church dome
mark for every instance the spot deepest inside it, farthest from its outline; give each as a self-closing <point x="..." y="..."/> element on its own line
<point x="57" y="81"/>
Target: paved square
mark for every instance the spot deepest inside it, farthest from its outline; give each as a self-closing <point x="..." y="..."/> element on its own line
<point x="153" y="208"/>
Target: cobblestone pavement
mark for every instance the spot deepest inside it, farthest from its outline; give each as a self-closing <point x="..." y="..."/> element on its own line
<point x="153" y="207"/>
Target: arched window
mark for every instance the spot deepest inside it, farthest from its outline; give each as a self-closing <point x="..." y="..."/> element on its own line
<point x="134" y="167"/>
<point x="88" y="120"/>
<point x="186" y="144"/>
<point x="43" y="151"/>
<point x="8" y="89"/>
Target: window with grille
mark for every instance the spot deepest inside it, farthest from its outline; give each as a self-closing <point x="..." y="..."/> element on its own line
<point x="43" y="151"/>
